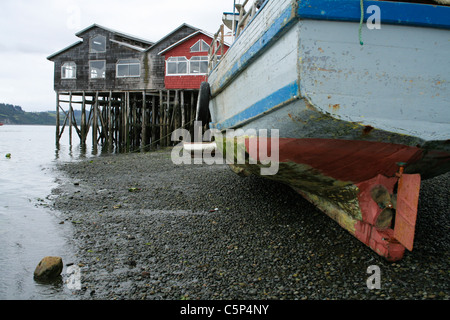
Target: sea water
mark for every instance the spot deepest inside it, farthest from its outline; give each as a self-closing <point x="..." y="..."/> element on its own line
<point x="29" y="228"/>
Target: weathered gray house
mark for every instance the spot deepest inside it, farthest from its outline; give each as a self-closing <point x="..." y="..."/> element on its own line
<point x="103" y="60"/>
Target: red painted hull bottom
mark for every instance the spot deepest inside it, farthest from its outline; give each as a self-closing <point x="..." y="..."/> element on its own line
<point x="360" y="184"/>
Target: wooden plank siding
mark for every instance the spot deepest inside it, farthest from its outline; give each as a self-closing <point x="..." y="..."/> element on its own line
<point x="117" y="47"/>
<point x="155" y="62"/>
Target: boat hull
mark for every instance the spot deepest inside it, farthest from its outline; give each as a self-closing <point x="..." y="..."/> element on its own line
<point x="340" y="178"/>
<point x="358" y="127"/>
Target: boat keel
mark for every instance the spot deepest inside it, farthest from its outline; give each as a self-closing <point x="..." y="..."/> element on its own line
<point x="388" y="218"/>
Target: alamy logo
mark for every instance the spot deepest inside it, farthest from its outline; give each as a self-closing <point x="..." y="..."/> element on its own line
<point x="73" y="21"/>
<point x="264" y="149"/>
<point x="374" y="20"/>
<point x="374" y="281"/>
<point x="74" y="280"/>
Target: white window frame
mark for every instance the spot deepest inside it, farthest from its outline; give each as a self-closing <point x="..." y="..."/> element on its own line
<point x="90" y="70"/>
<point x="74" y="70"/>
<point x="136" y="62"/>
<point x="177" y="74"/>
<point x="203" y="59"/>
<point x="201" y="49"/>
<point x="91" y="50"/>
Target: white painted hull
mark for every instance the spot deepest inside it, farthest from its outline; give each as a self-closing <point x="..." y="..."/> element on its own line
<point x="351" y="118"/>
<point x="398" y="81"/>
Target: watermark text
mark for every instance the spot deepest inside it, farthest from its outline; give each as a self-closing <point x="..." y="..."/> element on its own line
<point x="254" y="147"/>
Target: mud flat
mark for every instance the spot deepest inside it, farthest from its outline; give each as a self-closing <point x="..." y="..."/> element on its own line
<point x="148" y="229"/>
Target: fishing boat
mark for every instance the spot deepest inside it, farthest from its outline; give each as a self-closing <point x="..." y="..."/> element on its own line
<point x="358" y="93"/>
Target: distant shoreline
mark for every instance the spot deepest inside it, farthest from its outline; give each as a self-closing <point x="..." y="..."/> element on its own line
<point x="26" y="124"/>
<point x="15" y="115"/>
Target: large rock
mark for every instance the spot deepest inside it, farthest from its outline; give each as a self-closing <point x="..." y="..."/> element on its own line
<point x="49" y="268"/>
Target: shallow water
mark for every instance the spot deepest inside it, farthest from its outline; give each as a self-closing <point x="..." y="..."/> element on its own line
<point x="29" y="228"/>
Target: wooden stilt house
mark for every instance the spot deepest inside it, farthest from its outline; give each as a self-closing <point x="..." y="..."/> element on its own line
<point x="118" y="80"/>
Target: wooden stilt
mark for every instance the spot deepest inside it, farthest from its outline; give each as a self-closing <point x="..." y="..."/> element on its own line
<point x="95" y="121"/>
<point x="127" y="122"/>
<point x="161" y="117"/>
<point x="176" y="106"/>
<point x="144" y="121"/>
<point x="83" y="119"/>
<point x="134" y="125"/>
<point x="125" y="119"/>
<point x="70" y="119"/>
<point x="167" y="120"/>
<point x="57" y="118"/>
<point x="110" y="127"/>
<point x="118" y="120"/>
<point x="122" y="113"/>
<point x="193" y="110"/>
<point x="183" y="123"/>
<point x="102" y="116"/>
<point x="153" y="122"/>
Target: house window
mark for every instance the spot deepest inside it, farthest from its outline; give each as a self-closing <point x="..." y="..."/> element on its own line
<point x="198" y="65"/>
<point x="200" y="46"/>
<point x="128" y="68"/>
<point x="98" y="44"/>
<point x="177" y="65"/>
<point x="97" y="69"/>
<point x="69" y="70"/>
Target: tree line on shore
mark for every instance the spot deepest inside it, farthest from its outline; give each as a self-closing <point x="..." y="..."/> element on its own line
<point x="11" y="114"/>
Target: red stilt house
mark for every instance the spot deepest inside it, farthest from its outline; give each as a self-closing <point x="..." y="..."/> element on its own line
<point x="186" y="61"/>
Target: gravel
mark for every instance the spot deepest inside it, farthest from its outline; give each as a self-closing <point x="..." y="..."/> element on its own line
<point x="145" y="228"/>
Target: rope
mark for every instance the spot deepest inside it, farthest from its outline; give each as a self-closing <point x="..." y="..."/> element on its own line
<point x="162" y="138"/>
<point x="361" y="20"/>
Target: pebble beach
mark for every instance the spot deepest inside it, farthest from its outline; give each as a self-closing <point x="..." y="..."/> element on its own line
<point x="147" y="229"/>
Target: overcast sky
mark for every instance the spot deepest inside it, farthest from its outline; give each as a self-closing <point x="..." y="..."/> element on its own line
<point x="31" y="30"/>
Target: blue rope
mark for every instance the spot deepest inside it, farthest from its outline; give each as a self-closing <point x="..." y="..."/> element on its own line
<point x="361" y="20"/>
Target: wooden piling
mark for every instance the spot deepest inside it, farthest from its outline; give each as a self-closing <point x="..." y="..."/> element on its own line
<point x="110" y="128"/>
<point x="182" y="109"/>
<point x="57" y="118"/>
<point x="95" y="121"/>
<point x="70" y="119"/>
<point x="144" y="122"/>
<point x="125" y="120"/>
<point x="83" y="119"/>
<point x="167" y="120"/>
<point x="153" y="145"/>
